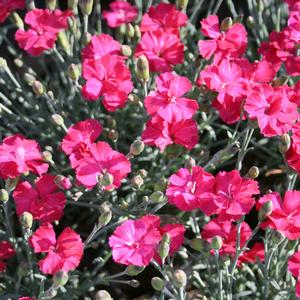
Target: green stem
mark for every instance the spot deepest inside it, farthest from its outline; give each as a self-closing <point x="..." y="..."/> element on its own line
<point x="220" y="275"/>
<point x="243" y="150"/>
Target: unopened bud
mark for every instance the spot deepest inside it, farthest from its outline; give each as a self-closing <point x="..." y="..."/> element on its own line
<point x="74" y="72"/>
<point x="51" y="4"/>
<point x="47" y="156"/>
<point x="143" y="173"/>
<point x="281" y="80"/>
<point x="253" y="172"/>
<point x="60" y="278"/>
<point x="284" y="143"/>
<point x="105" y="217"/>
<point x="137" y="32"/>
<point x="157" y="283"/>
<point x="86" y="6"/>
<point x="157" y="196"/>
<point x="103" y="295"/>
<point x="182" y="4"/>
<point x="106" y="179"/>
<point x="29" y="79"/>
<point x="57" y="119"/>
<point x="260" y="6"/>
<point x="113" y="135"/>
<point x="3" y="63"/>
<point x="137" y="147"/>
<point x="142" y="68"/>
<point x="17" y="20"/>
<point x="62" y="182"/>
<point x="137" y="181"/>
<point x="216" y="243"/>
<point x="197" y="244"/>
<point x="38" y="88"/>
<point x="126" y="50"/>
<point x="11" y="183"/>
<point x="179" y="279"/>
<point x="26" y="220"/>
<point x="4" y="196"/>
<point x="72" y="4"/>
<point x="129" y="31"/>
<point x="190" y="163"/>
<point x="63" y="42"/>
<point x="133" y="98"/>
<point x="18" y="62"/>
<point x="250" y="22"/>
<point x="134" y="283"/>
<point x="164" y="246"/>
<point x="265" y="210"/>
<point x="121" y="30"/>
<point x="226" y="24"/>
<point x="132" y="270"/>
<point x="86" y="38"/>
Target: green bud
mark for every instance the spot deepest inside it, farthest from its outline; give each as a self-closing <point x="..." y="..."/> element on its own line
<point x="164" y="246"/>
<point x="179" y="279"/>
<point x="60" y="278"/>
<point x="260" y="6"/>
<point x="250" y="22"/>
<point x="134" y="99"/>
<point x="197" y="244"/>
<point x="281" y="80"/>
<point x="3" y="63"/>
<point x="103" y="295"/>
<point x="226" y="24"/>
<point x="182" y="4"/>
<point x="74" y="72"/>
<point x="17" y="20"/>
<point x="57" y="119"/>
<point x="11" y="183"/>
<point x="284" y="143"/>
<point x="126" y="50"/>
<point x="143" y="173"/>
<point x="18" y="62"/>
<point x="4" y="196"/>
<point x="137" y="32"/>
<point x="129" y="31"/>
<point x="157" y="196"/>
<point x="113" y="135"/>
<point x="72" y="4"/>
<point x="157" y="283"/>
<point x="86" y="6"/>
<point x="253" y="172"/>
<point x="64" y="43"/>
<point x="121" y="30"/>
<point x="30" y="4"/>
<point x="132" y="270"/>
<point x="86" y="38"/>
<point x="26" y="220"/>
<point x="105" y="218"/>
<point x="142" y="68"/>
<point x="47" y="156"/>
<point x="137" y="147"/>
<point x="265" y="210"/>
<point x="137" y="181"/>
<point x="190" y="163"/>
<point x="51" y="4"/>
<point x="38" y="88"/>
<point x="134" y="283"/>
<point x="216" y="243"/>
<point x="29" y="79"/>
<point x="106" y="179"/>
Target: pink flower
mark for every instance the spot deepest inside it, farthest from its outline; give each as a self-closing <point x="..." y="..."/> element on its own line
<point x="44" y="28"/>
<point x="231" y="43"/>
<point x="107" y="77"/>
<point x="234" y="195"/>
<point x="103" y="160"/>
<point x="294" y="26"/>
<point x="6" y="7"/>
<point x="101" y="45"/>
<point x="164" y="16"/>
<point x="294" y="268"/>
<point x="163" y="50"/>
<point x="193" y="189"/>
<point x="167" y="100"/>
<point x="63" y="182"/>
<point x="293" y="155"/>
<point x="79" y="137"/>
<point x="121" y="13"/>
<point x="134" y="242"/>
<point x="272" y="109"/>
<point x="19" y="155"/>
<point x="6" y="252"/>
<point x="257" y="251"/>
<point x="176" y="232"/>
<point x="43" y="201"/>
<point x="63" y="254"/>
<point x="160" y="133"/>
<point x="25" y="298"/>
<point x="285" y="216"/>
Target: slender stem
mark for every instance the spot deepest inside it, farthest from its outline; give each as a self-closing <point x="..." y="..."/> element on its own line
<point x="181" y="294"/>
<point x="28" y="253"/>
<point x="243" y="150"/>
<point x="217" y="7"/>
<point x="266" y="264"/>
<point x="85" y="23"/>
<point x="220" y="275"/>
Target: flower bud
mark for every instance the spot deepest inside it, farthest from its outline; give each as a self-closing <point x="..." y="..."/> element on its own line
<point x="62" y="182"/>
<point x="164" y="246"/>
<point x="260" y="6"/>
<point x="157" y="283"/>
<point x="190" y="163"/>
<point x="74" y="72"/>
<point x="3" y="63"/>
<point x="19" y="62"/>
<point x="72" y="4"/>
<point x="145" y="199"/>
<point x="143" y="173"/>
<point x="17" y="20"/>
<point x="51" y="4"/>
<point x="60" y="278"/>
<point x="86" y="38"/>
<point x="26" y="220"/>
<point x="47" y="157"/>
<point x="4" y="196"/>
<point x="63" y="42"/>
<point x="11" y="183"/>
<point x="121" y="30"/>
<point x="103" y="295"/>
<point x="30" y="4"/>
<point x="137" y="32"/>
<point x="157" y="196"/>
<point x="105" y="214"/>
<point x="126" y="50"/>
<point x="29" y="78"/>
<point x="216" y="243"/>
<point x="137" y="181"/>
<point x="265" y="210"/>
<point x="137" y="147"/>
<point x="38" y="88"/>
<point x="132" y="270"/>
<point x="179" y="279"/>
<point x="284" y="143"/>
<point x="134" y="283"/>
<point x="253" y="172"/>
<point x="129" y="31"/>
<point x="182" y="4"/>
<point x="106" y="179"/>
<point x="142" y="68"/>
<point x="281" y="80"/>
<point x="197" y="244"/>
<point x="250" y="22"/>
<point x="226" y="24"/>
<point x="58" y="119"/>
<point x="86" y="6"/>
<point x="133" y="98"/>
<point x="113" y="135"/>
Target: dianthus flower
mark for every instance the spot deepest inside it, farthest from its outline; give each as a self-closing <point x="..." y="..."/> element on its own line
<point x="234" y="195"/>
<point x="167" y="100"/>
<point x="162" y="49"/>
<point x="44" y="201"/>
<point x="285" y="216"/>
<point x="63" y="253"/>
<point x="293" y="154"/>
<point x="79" y="137"/>
<point x="6" y="7"/>
<point x="160" y="133"/>
<point x="120" y="13"/>
<point x="294" y="26"/>
<point x="191" y="189"/>
<point x="272" y="109"/>
<point x="19" y="155"/>
<point x="231" y="43"/>
<point x="103" y="159"/>
<point x="6" y="252"/>
<point x="43" y="31"/>
<point x="163" y="16"/>
<point x="294" y="268"/>
<point x="107" y="77"/>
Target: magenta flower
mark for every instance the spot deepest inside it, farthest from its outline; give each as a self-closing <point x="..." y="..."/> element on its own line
<point x="6" y="252"/>
<point x="6" y="7"/>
